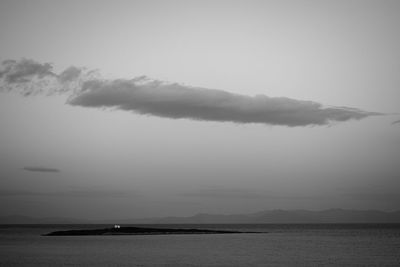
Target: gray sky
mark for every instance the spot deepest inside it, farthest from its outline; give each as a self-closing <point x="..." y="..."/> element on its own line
<point x="250" y="105"/>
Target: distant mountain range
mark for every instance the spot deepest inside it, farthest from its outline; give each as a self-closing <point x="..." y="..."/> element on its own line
<point x="268" y="216"/>
<point x="287" y="216"/>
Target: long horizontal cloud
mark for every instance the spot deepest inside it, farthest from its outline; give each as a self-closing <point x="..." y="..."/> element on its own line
<point x="179" y="101"/>
<point x="171" y="100"/>
<point x="40" y="169"/>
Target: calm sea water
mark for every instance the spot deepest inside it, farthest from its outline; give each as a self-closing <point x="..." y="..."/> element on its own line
<point x="283" y="245"/>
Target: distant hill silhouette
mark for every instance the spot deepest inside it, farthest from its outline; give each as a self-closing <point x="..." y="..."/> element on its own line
<point x="287" y="216"/>
<point x="268" y="216"/>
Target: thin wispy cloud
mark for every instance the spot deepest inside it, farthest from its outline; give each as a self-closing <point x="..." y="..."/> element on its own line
<point x="396" y="122"/>
<point x="373" y="196"/>
<point x="40" y="169"/>
<point x="24" y="70"/>
<point x="238" y="193"/>
<point x="68" y="193"/>
<point x="170" y="100"/>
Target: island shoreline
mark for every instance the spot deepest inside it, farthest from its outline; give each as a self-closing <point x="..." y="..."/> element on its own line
<point x="141" y="231"/>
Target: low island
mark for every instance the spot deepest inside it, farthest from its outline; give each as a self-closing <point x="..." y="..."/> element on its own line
<point x="117" y="230"/>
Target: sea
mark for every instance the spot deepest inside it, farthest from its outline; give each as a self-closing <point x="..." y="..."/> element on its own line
<point x="277" y="245"/>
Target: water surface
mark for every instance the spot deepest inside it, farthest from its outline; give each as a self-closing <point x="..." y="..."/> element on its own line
<point x="283" y="245"/>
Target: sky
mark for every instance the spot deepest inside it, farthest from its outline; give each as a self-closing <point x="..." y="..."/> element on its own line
<point x="131" y="109"/>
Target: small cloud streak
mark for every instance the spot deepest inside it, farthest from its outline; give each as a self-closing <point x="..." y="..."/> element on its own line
<point x="40" y="169"/>
<point x="396" y="122"/>
<point x="170" y="100"/>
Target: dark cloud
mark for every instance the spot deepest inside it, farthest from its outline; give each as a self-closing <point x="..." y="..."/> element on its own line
<point x="396" y="122"/>
<point x="171" y="100"/>
<point x="40" y="169"/>
<point x="179" y="101"/>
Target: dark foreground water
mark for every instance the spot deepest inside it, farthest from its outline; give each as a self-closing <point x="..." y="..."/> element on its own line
<point x="284" y="245"/>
